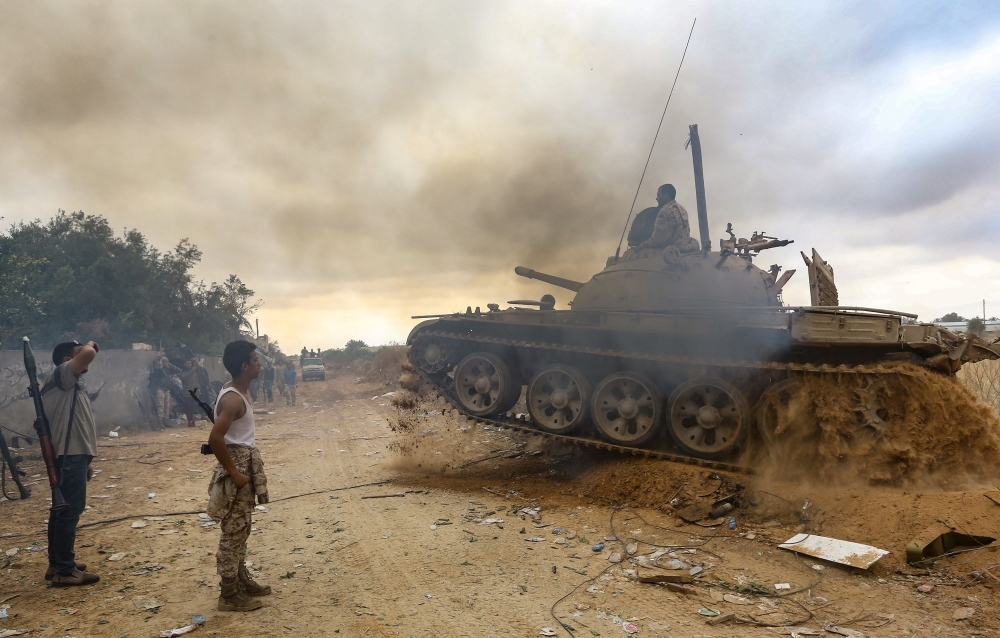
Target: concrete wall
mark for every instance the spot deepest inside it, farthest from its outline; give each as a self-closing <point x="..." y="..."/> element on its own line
<point x="125" y="400"/>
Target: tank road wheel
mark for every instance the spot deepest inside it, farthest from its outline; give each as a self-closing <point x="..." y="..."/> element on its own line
<point x="557" y="399"/>
<point x="627" y="408"/>
<point x="708" y="418"/>
<point x="776" y="415"/>
<point x="485" y="385"/>
<point x="429" y="354"/>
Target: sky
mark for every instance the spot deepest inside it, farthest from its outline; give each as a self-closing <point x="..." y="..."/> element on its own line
<point x="356" y="163"/>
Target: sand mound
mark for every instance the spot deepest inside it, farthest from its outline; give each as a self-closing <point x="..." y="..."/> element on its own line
<point x="912" y="428"/>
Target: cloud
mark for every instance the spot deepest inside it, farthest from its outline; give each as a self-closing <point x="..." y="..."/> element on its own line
<point x="359" y="162"/>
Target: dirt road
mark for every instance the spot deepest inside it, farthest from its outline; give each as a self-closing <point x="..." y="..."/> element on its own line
<point x="429" y="552"/>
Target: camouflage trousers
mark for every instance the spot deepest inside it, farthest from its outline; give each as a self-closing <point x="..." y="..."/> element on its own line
<point x="163" y="401"/>
<point x="235" y="526"/>
<point x="232" y="507"/>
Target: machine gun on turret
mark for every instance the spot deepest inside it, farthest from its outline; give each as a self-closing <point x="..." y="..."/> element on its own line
<point x="744" y="247"/>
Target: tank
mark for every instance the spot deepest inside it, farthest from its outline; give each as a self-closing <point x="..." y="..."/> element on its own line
<point x="688" y="354"/>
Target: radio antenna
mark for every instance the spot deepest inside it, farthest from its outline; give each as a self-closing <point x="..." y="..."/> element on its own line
<point x="677" y="75"/>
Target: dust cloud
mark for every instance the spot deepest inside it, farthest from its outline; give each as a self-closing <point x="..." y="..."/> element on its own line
<point x="334" y="153"/>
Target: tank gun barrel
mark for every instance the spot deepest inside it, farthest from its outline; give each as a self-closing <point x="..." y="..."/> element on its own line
<point x="568" y="284"/>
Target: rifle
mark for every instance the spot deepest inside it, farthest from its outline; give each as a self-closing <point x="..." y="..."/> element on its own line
<point x="15" y="472"/>
<point x="93" y="397"/>
<point x="207" y="409"/>
<point x="41" y="426"/>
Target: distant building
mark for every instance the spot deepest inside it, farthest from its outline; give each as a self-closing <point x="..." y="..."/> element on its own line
<point x="992" y="327"/>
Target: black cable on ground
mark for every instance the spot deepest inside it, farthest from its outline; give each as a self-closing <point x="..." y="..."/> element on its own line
<point x="187" y="513"/>
<point x="3" y="479"/>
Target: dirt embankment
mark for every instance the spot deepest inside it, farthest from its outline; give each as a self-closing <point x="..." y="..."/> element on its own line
<point x="908" y="429"/>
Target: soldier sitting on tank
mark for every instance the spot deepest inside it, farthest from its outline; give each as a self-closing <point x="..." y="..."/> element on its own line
<point x="642" y="225"/>
<point x="671" y="226"/>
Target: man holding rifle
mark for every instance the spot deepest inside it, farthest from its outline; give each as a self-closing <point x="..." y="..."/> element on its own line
<point x="74" y="440"/>
<point x="237" y="479"/>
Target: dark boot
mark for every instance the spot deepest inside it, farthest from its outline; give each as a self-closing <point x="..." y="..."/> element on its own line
<point x="233" y="598"/>
<point x="250" y="586"/>
<point x="74" y="579"/>
<point x="51" y="571"/>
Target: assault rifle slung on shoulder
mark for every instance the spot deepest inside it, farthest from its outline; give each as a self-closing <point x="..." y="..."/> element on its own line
<point x="207" y="409"/>
<point x="42" y="427"/>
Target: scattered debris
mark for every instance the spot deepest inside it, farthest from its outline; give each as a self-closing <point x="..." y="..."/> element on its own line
<point x="148" y="604"/>
<point x="665" y="576"/>
<point x="628" y="626"/>
<point x="926" y="588"/>
<point x="843" y="631"/>
<point x="547" y="631"/>
<point x="694" y="513"/>
<point x="117" y="557"/>
<point x="781" y="586"/>
<point x="180" y="631"/>
<point x="718" y="620"/>
<point x="940" y="539"/>
<point x="139" y="524"/>
<point x="963" y="613"/>
<point x="834" y="550"/>
<point x="720" y="510"/>
<point x="708" y="611"/>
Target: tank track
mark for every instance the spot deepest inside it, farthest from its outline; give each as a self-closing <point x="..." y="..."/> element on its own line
<point x="524" y="427"/>
<point x="440" y="382"/>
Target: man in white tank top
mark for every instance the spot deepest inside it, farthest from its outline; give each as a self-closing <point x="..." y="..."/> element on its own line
<point x="237" y="479"/>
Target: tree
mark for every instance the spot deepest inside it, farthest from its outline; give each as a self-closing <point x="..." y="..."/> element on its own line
<point x="950" y="317"/>
<point x="72" y="278"/>
<point x="354" y="348"/>
<point x="976" y="326"/>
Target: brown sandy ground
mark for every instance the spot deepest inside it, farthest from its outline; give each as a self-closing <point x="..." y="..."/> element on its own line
<point x="355" y="566"/>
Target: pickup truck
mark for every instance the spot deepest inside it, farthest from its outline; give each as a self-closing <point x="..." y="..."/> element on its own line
<point x="312" y="368"/>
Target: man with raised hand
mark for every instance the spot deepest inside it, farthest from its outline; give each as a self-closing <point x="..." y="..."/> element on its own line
<point x="238" y="478"/>
<point x="74" y="440"/>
